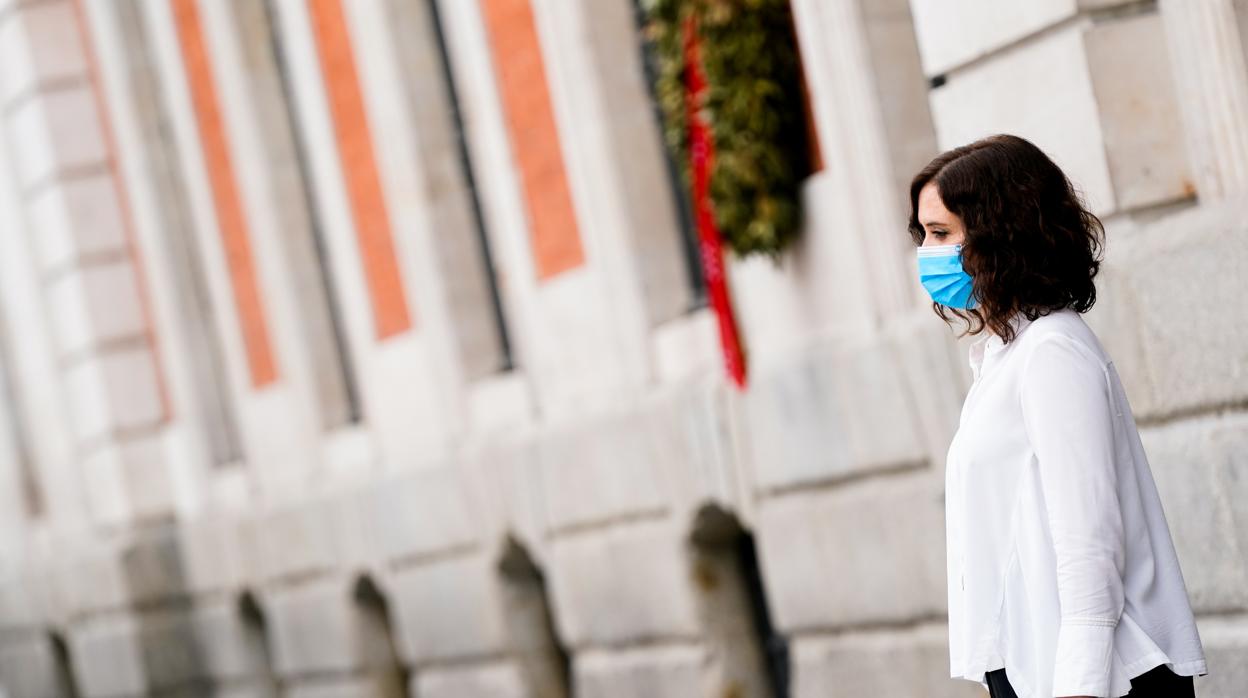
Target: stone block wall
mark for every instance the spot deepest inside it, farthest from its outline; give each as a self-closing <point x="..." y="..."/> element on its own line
<point x="606" y="517"/>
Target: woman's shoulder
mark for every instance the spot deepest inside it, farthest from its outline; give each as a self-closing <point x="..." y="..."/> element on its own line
<point x="1067" y="328"/>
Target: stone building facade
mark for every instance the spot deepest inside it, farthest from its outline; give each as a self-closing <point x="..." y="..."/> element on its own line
<point x="353" y="348"/>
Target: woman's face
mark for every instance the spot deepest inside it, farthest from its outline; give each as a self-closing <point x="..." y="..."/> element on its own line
<point x="940" y="226"/>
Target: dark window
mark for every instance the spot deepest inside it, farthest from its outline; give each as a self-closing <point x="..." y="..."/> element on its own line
<point x="688" y="232"/>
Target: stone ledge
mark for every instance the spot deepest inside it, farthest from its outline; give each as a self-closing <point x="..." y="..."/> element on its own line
<point x="30" y="667"/>
<point x="1225" y="639"/>
<point x="447" y="610"/>
<point x="108" y="657"/>
<point x="663" y="671"/>
<point x="303" y="539"/>
<point x="230" y="651"/>
<point x="217" y="554"/>
<point x="866" y="552"/>
<point x="497" y="680"/>
<point x="23" y="602"/>
<point x="422" y="512"/>
<point x="347" y="686"/>
<point x="912" y="662"/>
<point x="601" y="467"/>
<point x="319" y="628"/>
<point x="1200" y="467"/>
<point x="832" y="412"/>
<point x="621" y="584"/>
<point x="1175" y="319"/>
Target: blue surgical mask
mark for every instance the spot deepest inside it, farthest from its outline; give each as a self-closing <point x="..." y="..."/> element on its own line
<point x="941" y="273"/>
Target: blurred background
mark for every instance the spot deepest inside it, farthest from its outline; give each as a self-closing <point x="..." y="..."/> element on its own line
<point x="362" y="348"/>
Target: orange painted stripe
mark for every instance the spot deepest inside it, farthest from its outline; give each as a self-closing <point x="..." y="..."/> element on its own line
<point x="359" y="168"/>
<point x="127" y="215"/>
<point x="235" y="237"/>
<point x="534" y="136"/>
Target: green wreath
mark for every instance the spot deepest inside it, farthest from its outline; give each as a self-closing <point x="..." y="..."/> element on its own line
<point x="754" y="107"/>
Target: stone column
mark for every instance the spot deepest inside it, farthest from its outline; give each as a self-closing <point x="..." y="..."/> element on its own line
<point x="67" y="183"/>
<point x="1207" y="52"/>
<point x="870" y="103"/>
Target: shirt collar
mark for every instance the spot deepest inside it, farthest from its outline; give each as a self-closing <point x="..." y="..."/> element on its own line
<point x="991" y="343"/>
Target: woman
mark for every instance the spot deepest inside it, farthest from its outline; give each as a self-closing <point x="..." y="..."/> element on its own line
<point x="1063" y="579"/>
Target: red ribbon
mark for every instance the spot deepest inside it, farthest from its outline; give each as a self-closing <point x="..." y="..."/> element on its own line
<point x="710" y="246"/>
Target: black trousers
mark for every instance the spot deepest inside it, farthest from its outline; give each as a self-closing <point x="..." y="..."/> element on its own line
<point x="1158" y="682"/>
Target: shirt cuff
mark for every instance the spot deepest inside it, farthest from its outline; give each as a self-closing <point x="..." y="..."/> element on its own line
<point x="1085" y="651"/>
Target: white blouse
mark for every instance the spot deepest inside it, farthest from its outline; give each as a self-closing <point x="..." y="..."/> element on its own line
<point x="1061" y="565"/>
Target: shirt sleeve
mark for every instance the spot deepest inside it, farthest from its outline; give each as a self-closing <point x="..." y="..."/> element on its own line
<point x="1068" y="412"/>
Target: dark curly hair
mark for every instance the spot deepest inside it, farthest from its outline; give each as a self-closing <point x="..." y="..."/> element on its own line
<point x="1031" y="245"/>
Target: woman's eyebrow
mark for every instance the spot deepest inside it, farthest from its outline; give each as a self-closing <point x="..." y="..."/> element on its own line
<point x="929" y="224"/>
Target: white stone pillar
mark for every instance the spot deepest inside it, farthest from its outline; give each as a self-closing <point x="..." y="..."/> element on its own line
<point x="63" y="166"/>
<point x="1207" y="51"/>
<point x="866" y="145"/>
<point x="614" y="157"/>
